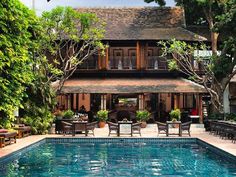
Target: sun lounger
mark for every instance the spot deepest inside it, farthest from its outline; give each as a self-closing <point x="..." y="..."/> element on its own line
<point x="23" y="131"/>
<point x="7" y="138"/>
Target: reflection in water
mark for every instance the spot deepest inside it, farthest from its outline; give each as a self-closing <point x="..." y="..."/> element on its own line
<point x="118" y="159"/>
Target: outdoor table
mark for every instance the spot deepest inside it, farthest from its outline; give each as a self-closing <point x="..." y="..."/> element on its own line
<point x="170" y="124"/>
<point x="78" y="126"/>
<point x="194" y="118"/>
<point x="125" y="128"/>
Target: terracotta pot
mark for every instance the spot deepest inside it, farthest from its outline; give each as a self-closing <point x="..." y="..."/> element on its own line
<point x="101" y="124"/>
<point x="143" y="125"/>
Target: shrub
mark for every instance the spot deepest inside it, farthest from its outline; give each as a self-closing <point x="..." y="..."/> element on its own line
<point x="230" y="116"/>
<point x="142" y="116"/>
<point x="40" y="122"/>
<point x="102" y="115"/>
<point x="175" y="114"/>
<point x="68" y="114"/>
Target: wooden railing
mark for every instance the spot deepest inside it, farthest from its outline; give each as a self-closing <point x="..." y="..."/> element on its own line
<point x="156" y="63"/>
<point x="122" y="63"/>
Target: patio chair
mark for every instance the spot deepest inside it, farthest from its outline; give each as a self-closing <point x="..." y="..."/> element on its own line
<point x="113" y="127"/>
<point x="136" y="128"/>
<point x="7" y="138"/>
<point x="185" y="127"/>
<point x="162" y="128"/>
<point x="234" y="136"/>
<point x="66" y="127"/>
<point x="90" y="127"/>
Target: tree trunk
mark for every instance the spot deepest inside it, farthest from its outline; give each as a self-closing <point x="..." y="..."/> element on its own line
<point x="214" y="38"/>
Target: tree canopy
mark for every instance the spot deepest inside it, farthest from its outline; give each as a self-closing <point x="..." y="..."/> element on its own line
<point x="69" y="38"/>
<point x="221" y="18"/>
<point x="17" y="24"/>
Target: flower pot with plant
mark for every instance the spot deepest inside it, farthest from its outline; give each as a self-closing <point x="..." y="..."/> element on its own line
<point x="68" y="114"/>
<point x="59" y="115"/>
<point x="175" y="115"/>
<point x="102" y="117"/>
<point x="143" y="116"/>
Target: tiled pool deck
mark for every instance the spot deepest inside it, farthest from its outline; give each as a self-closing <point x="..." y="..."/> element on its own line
<point x="150" y="131"/>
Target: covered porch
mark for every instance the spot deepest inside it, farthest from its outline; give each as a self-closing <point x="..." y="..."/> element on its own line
<point x="159" y="96"/>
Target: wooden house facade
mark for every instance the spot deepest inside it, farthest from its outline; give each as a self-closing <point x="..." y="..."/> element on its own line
<point x="133" y="75"/>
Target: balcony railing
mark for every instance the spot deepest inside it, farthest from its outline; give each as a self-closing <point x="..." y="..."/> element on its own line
<point x="122" y="63"/>
<point x="90" y="63"/>
<point x="200" y="65"/>
<point x="156" y="63"/>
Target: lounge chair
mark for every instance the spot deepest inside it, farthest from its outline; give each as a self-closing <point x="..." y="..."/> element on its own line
<point x="113" y="127"/>
<point x="162" y="128"/>
<point x="136" y="128"/>
<point x="185" y="127"/>
<point x="90" y="127"/>
<point x="7" y="138"/>
<point x="23" y="130"/>
<point x="66" y="127"/>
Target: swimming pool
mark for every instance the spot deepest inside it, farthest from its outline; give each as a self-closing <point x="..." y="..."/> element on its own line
<point x="119" y="157"/>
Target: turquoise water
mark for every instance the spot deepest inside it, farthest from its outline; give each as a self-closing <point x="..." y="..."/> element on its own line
<point x="118" y="159"/>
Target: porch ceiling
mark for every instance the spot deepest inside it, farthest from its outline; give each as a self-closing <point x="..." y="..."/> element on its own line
<point x="131" y="85"/>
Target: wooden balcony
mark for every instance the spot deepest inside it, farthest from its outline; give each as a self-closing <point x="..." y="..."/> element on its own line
<point x="122" y="63"/>
<point x="90" y="64"/>
<point x="156" y="63"/>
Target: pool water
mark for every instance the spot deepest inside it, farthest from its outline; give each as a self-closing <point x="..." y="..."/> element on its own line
<point x="119" y="159"/>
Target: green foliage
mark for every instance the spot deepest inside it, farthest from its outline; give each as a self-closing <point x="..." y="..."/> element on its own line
<point x="142" y="116"/>
<point x="66" y="29"/>
<point x="102" y="115"/>
<point x="172" y="65"/>
<point x="230" y="116"/>
<point x="68" y="114"/>
<point x="17" y="25"/>
<point x="40" y="119"/>
<point x="175" y="114"/>
<point x="216" y="116"/>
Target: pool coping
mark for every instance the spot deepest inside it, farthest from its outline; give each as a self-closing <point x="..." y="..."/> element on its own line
<point x="213" y="148"/>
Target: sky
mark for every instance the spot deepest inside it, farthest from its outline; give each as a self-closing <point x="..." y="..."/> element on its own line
<point x="43" y="5"/>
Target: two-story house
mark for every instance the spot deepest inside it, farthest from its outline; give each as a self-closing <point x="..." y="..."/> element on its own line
<point x="133" y="75"/>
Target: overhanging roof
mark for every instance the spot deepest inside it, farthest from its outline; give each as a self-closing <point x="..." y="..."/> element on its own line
<point x="132" y="85"/>
<point x="144" y="23"/>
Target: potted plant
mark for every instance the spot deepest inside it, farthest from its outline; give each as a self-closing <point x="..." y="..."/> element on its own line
<point x="68" y="114"/>
<point x="175" y="116"/>
<point x="143" y="116"/>
<point x="102" y="117"/>
<point x="59" y="114"/>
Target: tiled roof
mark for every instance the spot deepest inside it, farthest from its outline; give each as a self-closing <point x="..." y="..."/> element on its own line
<point x="144" y="23"/>
<point x="124" y="85"/>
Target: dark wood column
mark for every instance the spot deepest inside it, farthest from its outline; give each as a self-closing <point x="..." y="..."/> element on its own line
<point x="200" y="108"/>
<point x="107" y="58"/>
<point x="138" y="55"/>
<point x="142" y="55"/>
<point x="99" y="60"/>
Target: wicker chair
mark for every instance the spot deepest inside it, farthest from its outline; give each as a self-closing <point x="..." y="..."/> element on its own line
<point x="113" y="128"/>
<point x="66" y="127"/>
<point x="162" y="128"/>
<point x="90" y="128"/>
<point x="185" y="127"/>
<point x="136" y="128"/>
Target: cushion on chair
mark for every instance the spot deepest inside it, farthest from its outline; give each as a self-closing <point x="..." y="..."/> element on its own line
<point x="3" y="130"/>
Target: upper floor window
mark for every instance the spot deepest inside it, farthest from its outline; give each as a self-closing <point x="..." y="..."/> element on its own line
<point x="122" y="58"/>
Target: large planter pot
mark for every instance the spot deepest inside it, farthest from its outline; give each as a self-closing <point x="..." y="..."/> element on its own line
<point x="143" y="124"/>
<point x="101" y="124"/>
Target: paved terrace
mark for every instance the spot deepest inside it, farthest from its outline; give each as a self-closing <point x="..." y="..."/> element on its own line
<point x="197" y="131"/>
